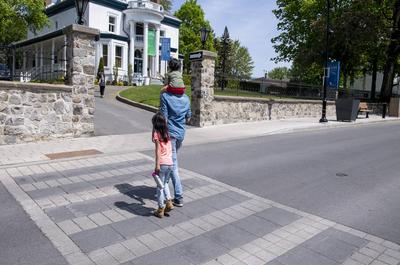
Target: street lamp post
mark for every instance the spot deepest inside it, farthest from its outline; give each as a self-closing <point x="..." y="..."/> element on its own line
<point x="81" y="6"/>
<point x="203" y="36"/>
<point x="324" y="101"/>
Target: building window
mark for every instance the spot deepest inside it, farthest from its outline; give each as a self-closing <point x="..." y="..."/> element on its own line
<point x="105" y="55"/>
<point x="56" y="24"/>
<point x="162" y="33"/>
<point x="118" y="56"/>
<point x="111" y="23"/>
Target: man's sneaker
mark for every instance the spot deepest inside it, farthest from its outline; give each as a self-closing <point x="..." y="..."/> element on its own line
<point x="178" y="202"/>
<point x="169" y="206"/>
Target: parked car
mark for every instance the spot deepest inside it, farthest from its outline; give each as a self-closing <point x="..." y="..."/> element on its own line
<point x="5" y="73"/>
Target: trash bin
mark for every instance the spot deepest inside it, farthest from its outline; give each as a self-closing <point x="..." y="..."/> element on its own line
<point x="394" y="107"/>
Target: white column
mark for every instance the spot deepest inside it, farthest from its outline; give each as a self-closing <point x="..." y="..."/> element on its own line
<point x="41" y="57"/>
<point x="157" y="59"/>
<point x="65" y="54"/>
<point x="145" y="50"/>
<point x="52" y="56"/>
<point x="132" y="43"/>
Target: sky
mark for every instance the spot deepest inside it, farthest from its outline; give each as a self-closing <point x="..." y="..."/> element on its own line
<point x="250" y="21"/>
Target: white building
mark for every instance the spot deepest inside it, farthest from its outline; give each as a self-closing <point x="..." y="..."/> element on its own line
<point x="130" y="33"/>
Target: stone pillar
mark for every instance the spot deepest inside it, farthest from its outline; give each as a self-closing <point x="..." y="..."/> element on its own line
<point x="65" y="54"/>
<point x="157" y="59"/>
<point x="81" y="49"/>
<point x="145" y="51"/>
<point x="132" y="43"/>
<point x="202" y="69"/>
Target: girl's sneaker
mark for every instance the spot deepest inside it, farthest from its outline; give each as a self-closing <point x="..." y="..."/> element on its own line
<point x="159" y="212"/>
<point x="169" y="206"/>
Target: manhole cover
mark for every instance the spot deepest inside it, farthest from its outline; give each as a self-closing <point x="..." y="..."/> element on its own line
<point x="340" y="174"/>
<point x="73" y="154"/>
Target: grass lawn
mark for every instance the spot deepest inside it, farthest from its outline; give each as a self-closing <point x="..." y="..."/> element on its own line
<point x="150" y="95"/>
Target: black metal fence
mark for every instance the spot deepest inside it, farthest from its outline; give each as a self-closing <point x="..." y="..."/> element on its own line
<point x="285" y="89"/>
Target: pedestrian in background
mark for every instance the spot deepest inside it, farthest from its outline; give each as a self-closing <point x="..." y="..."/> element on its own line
<point x="102" y="83"/>
<point x="163" y="164"/>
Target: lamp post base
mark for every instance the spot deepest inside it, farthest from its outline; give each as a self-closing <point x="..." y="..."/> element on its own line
<point x="323" y="120"/>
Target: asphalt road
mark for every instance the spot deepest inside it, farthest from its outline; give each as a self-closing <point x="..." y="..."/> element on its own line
<point x="22" y="242"/>
<point x="113" y="117"/>
<point x="348" y="175"/>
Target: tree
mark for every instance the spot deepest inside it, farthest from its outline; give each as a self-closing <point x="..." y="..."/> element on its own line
<point x="242" y="63"/>
<point x="17" y="16"/>
<point x="279" y="73"/>
<point x="192" y="16"/>
<point x="393" y="52"/>
<point x="100" y="68"/>
<point x="223" y="46"/>
<point x="356" y="26"/>
<point x="167" y="4"/>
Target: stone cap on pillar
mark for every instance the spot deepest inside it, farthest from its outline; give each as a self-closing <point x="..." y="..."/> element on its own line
<point x="81" y="29"/>
<point x="201" y="55"/>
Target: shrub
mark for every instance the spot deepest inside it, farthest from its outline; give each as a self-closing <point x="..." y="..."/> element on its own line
<point x="101" y="67"/>
<point x="187" y="79"/>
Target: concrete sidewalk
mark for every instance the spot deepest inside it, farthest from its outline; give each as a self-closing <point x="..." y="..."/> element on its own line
<point x="31" y="152"/>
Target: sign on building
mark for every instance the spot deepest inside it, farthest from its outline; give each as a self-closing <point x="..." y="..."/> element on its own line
<point x="333" y="74"/>
<point x="151" y="42"/>
<point x="165" y="49"/>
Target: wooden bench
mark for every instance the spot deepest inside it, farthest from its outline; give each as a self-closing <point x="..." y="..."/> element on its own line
<point x="363" y="107"/>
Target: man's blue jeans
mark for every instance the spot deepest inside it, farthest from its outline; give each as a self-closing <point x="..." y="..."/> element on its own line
<point x="176" y="180"/>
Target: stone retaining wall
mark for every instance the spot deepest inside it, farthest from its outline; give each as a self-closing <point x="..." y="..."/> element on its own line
<point x="208" y="109"/>
<point x="224" y="110"/>
<point x="30" y="112"/>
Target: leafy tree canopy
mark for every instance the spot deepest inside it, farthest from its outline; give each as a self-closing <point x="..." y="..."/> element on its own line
<point x="17" y="16"/>
<point x="358" y="31"/>
<point x="167" y="4"/>
<point x="279" y="73"/>
<point x="193" y="19"/>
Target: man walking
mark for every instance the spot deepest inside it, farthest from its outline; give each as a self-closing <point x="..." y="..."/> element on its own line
<point x="176" y="109"/>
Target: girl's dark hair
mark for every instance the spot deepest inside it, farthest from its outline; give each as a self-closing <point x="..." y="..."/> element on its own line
<point x="174" y="64"/>
<point x="160" y="126"/>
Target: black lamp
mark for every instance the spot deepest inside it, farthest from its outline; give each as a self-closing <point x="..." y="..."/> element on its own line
<point x="204" y="35"/>
<point x="81" y="6"/>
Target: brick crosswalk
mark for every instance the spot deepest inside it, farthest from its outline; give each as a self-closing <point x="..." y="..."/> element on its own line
<point x="98" y="210"/>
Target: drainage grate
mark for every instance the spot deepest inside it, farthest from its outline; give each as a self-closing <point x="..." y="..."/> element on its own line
<point x="89" y="152"/>
<point x="340" y="174"/>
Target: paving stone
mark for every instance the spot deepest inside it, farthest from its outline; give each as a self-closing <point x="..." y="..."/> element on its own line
<point x="60" y="214"/>
<point x="304" y="256"/>
<point x="102" y="257"/>
<point x="87" y="207"/>
<point x="77" y="187"/>
<point x="152" y="242"/>
<point x="344" y="236"/>
<point x="99" y="219"/>
<point x="134" y="227"/>
<point x="120" y="253"/>
<point x="256" y="225"/>
<point x="388" y="259"/>
<point x="330" y="247"/>
<point x="96" y="238"/>
<point x="42" y="193"/>
<point x="199" y="249"/>
<point x="278" y="216"/>
<point x="84" y="223"/>
<point x="230" y="236"/>
<point x="136" y="247"/>
<point x="69" y="227"/>
<point x="163" y="256"/>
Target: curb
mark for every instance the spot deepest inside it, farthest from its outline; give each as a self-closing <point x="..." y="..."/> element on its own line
<point x="136" y="104"/>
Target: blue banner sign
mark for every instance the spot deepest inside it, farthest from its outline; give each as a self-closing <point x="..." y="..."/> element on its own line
<point x="333" y="74"/>
<point x="165" y="49"/>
